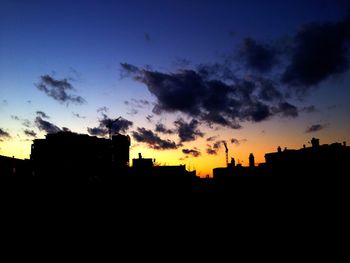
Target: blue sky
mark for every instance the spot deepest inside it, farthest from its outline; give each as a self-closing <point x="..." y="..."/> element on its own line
<point x="84" y="42"/>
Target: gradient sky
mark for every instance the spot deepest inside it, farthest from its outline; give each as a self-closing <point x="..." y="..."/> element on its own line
<point x="284" y="64"/>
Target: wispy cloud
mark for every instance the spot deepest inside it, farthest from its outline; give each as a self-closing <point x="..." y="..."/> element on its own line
<point x="4" y="134"/>
<point x="59" y="90"/>
<point x="315" y="128"/>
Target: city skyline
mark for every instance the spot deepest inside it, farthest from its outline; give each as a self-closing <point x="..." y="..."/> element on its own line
<point x="184" y="77"/>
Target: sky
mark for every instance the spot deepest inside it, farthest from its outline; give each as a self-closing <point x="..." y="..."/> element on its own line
<point x="185" y="77"/>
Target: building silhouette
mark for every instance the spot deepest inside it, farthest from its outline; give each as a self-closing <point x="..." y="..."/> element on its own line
<point x="77" y="156"/>
<point x="317" y="161"/>
<point x="67" y="158"/>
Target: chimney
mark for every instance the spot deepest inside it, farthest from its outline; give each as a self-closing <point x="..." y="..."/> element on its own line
<point x="140" y="156"/>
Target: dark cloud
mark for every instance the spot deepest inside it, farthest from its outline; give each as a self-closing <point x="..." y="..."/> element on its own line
<point x="212" y="138"/>
<point x="315" y="128"/>
<point x="27" y="123"/>
<point x="4" y="134"/>
<point x="42" y="115"/>
<point x="30" y="133"/>
<point x="237" y="142"/>
<point x="152" y="139"/>
<point x="128" y="70"/>
<point x="319" y="51"/>
<point x="149" y="117"/>
<point x="103" y="109"/>
<point x="74" y="75"/>
<point x="134" y="105"/>
<point x="309" y="109"/>
<point x="211" y="151"/>
<point x="132" y="112"/>
<point x="220" y="94"/>
<point x="77" y="115"/>
<point x="137" y="103"/>
<point x="97" y="131"/>
<point x="217" y="144"/>
<point x="119" y="126"/>
<point x="188" y="131"/>
<point x="15" y="117"/>
<point x="286" y="109"/>
<point x="58" y="90"/>
<point x="268" y="90"/>
<point x="211" y="100"/>
<point x="218" y="71"/>
<point x="257" y="56"/>
<point x="194" y="152"/>
<point x="162" y="129"/>
<point x="46" y="126"/>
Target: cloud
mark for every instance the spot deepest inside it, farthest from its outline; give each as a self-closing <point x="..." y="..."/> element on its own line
<point x="149" y="117"/>
<point x="286" y="109"/>
<point x="162" y="129"/>
<point x="212" y="138"/>
<point x="103" y="109"/>
<point x="119" y="126"/>
<point x="42" y="115"/>
<point x="188" y="131"/>
<point x="15" y="117"/>
<point x="137" y="103"/>
<point x="128" y="70"/>
<point x="194" y="152"/>
<point x="30" y="133"/>
<point x="223" y="94"/>
<point x="4" y="134"/>
<point x="214" y="101"/>
<point x="319" y="51"/>
<point x="152" y="139"/>
<point x="46" y="126"/>
<point x="213" y="149"/>
<point x="134" y="105"/>
<point x="58" y="90"/>
<point x="315" y="128"/>
<point x="309" y="109"/>
<point x="237" y="142"/>
<point x="268" y="90"/>
<point x="25" y="122"/>
<point x="257" y="56"/>
<point x="77" y="115"/>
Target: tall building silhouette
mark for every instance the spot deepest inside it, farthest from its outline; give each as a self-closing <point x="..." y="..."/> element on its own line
<point x="70" y="154"/>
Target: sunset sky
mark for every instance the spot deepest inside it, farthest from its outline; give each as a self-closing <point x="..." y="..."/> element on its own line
<point x="183" y="75"/>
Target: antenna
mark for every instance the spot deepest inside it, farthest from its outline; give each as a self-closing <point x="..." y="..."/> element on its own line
<point x="109" y="126"/>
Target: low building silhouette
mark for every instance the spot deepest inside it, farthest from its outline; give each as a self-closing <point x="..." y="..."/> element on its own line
<point x="146" y="167"/>
<point x="317" y="161"/>
<point x="13" y="167"/>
